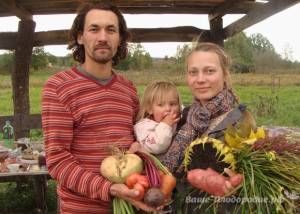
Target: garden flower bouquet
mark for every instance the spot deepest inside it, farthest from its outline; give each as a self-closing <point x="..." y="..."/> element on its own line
<point x="269" y="162"/>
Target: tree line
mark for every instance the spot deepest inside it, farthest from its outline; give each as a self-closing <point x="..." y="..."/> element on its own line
<point x="249" y="54"/>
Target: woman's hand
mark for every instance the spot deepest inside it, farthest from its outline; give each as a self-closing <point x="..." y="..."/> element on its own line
<point x="123" y="192"/>
<point x="213" y="182"/>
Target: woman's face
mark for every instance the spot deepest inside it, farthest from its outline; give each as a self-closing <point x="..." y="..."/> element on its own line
<point x="205" y="76"/>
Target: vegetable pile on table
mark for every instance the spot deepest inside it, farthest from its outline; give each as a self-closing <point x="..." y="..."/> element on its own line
<point x="140" y="171"/>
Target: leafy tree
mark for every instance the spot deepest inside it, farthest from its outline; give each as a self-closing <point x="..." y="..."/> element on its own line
<point x="265" y="56"/>
<point x="261" y="43"/>
<point x="39" y="58"/>
<point x="7" y="62"/>
<point x="240" y="49"/>
<point x="180" y="56"/>
<point x="138" y="58"/>
<point x="182" y="52"/>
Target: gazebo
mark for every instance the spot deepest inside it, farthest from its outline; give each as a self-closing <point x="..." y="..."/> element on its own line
<point x="26" y="38"/>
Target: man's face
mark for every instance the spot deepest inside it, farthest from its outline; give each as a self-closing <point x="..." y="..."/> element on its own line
<point x="100" y="36"/>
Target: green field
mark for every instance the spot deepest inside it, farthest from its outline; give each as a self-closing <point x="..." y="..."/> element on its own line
<point x="278" y="107"/>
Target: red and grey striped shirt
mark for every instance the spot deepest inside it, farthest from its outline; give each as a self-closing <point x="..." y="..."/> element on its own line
<point x="80" y="118"/>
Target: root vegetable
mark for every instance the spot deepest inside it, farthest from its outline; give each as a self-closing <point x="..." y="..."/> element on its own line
<point x="168" y="183"/>
<point x="154" y="197"/>
<point x="141" y="190"/>
<point x="211" y="181"/>
<point x="116" y="168"/>
<point x="134" y="178"/>
<point x="151" y="169"/>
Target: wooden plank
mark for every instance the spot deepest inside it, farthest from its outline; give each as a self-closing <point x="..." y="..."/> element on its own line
<point x="16" y="9"/>
<point x="59" y="37"/>
<point x="8" y="176"/>
<point x="257" y="15"/>
<point x="135" y="7"/>
<point x="237" y="9"/>
<point x="176" y="34"/>
<point x="20" y="75"/>
<point x="8" y="40"/>
<point x="33" y="121"/>
<point x="223" y="8"/>
<point x="216" y="31"/>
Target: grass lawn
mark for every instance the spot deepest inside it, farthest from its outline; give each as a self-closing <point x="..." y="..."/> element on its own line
<point x="280" y="106"/>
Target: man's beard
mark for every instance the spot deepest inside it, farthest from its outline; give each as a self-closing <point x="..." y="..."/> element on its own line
<point x="102" y="53"/>
<point x="102" y="58"/>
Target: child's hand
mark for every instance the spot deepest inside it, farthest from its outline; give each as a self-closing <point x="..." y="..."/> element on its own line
<point x="171" y="118"/>
<point x="135" y="147"/>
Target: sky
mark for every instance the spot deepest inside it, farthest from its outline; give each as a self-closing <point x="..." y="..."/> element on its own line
<point x="280" y="29"/>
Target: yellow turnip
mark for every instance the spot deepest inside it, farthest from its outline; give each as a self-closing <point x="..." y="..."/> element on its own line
<point x="116" y="168"/>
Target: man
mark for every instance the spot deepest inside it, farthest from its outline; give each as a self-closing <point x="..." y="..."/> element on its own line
<point x="86" y="108"/>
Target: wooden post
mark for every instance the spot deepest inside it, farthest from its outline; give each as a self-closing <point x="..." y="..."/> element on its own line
<point x="216" y="31"/>
<point x="20" y="76"/>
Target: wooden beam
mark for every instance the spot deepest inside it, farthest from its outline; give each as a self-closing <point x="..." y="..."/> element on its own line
<point x="134" y="7"/>
<point x="33" y="121"/>
<point x="59" y="37"/>
<point x="175" y="34"/>
<point x="54" y="37"/>
<point x="260" y="13"/>
<point x="216" y="31"/>
<point x="20" y="76"/>
<point x="16" y="9"/>
<point x="223" y="9"/>
<point x="8" y="40"/>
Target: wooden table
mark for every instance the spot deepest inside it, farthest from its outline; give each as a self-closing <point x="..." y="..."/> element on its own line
<point x="40" y="185"/>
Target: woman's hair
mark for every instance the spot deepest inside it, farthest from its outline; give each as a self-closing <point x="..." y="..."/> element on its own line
<point x="78" y="27"/>
<point x="158" y="91"/>
<point x="225" y="61"/>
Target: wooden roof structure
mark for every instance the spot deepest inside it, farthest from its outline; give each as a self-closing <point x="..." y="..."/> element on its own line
<point x="26" y="38"/>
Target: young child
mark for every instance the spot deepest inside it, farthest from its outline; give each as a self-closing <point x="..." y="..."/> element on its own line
<point x="158" y="116"/>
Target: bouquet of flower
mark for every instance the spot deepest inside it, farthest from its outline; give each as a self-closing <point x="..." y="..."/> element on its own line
<point x="269" y="162"/>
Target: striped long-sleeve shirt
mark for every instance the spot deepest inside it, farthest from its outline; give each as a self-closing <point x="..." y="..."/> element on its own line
<point x="80" y="118"/>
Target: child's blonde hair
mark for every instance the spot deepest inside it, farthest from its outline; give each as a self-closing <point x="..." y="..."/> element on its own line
<point x="158" y="91"/>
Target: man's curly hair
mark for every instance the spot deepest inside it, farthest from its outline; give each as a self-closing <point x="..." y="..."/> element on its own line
<point x="78" y="26"/>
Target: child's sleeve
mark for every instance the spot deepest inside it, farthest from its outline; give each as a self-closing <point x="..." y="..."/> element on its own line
<point x="154" y="137"/>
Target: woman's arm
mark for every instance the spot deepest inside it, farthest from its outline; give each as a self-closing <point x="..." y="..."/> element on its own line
<point x="174" y="156"/>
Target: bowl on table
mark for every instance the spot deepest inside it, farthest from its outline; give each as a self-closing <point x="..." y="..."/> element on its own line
<point x="13" y="167"/>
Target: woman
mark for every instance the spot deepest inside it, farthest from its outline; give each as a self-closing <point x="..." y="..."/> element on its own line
<point x="208" y="78"/>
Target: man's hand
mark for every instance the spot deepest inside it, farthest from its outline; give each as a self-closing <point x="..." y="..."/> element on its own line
<point x="123" y="192"/>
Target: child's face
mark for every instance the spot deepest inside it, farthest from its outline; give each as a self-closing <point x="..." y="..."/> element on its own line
<point x="161" y="109"/>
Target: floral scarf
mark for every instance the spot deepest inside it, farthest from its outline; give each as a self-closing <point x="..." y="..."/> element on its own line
<point x="198" y="121"/>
